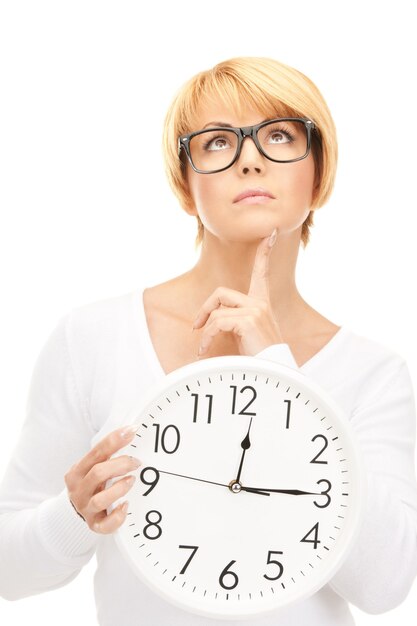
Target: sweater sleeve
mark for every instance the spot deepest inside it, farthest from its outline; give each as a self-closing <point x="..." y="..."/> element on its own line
<point x="280" y="353"/>
<point x="43" y="542"/>
<point x="381" y="566"/>
<point x="379" y="571"/>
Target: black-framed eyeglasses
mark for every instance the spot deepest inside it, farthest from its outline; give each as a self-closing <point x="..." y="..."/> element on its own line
<point x="283" y="140"/>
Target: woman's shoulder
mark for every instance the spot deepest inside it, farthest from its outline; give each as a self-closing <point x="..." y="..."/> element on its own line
<point x="93" y="323"/>
<point x="102" y="309"/>
<point x="370" y="350"/>
<point x="372" y="365"/>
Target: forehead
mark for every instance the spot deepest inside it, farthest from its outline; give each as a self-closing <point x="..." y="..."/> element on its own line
<point x="243" y="115"/>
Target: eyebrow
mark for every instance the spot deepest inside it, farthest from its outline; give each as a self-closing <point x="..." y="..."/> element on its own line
<point x="226" y="124"/>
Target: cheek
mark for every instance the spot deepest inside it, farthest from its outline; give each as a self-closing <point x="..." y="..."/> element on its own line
<point x="296" y="184"/>
<point x="206" y="191"/>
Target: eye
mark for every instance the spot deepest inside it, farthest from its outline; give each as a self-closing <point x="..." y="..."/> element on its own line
<point x="218" y="141"/>
<point x="281" y="135"/>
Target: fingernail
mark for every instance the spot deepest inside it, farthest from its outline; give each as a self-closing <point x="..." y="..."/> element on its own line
<point x="128" y="431"/>
<point x="272" y="238"/>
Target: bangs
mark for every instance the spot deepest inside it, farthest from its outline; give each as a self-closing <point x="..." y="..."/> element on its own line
<point x="232" y="93"/>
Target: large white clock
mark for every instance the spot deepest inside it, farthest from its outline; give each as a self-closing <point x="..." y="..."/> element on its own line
<point x="250" y="492"/>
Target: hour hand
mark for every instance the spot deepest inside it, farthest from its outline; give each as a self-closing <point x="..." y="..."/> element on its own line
<point x="245" y="445"/>
<point x="291" y="492"/>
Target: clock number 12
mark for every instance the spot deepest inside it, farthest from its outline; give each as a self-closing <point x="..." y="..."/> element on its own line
<point x="243" y="411"/>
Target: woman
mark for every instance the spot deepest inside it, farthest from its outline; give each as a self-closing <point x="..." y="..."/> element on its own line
<point x="264" y="163"/>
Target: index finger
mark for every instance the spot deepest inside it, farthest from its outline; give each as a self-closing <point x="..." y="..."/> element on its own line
<point x="259" y="283"/>
<point x="106" y="447"/>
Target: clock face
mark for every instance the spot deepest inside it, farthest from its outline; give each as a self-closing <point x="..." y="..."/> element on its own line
<point x="249" y="493"/>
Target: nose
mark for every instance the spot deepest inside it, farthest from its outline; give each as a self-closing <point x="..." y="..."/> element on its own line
<point x="250" y="158"/>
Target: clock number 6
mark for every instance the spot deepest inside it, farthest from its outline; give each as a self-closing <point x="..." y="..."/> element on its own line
<point x="226" y="572"/>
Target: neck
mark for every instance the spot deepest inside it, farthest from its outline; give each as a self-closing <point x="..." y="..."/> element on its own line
<point x="225" y="263"/>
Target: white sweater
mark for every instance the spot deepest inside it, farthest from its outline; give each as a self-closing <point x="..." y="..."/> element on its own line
<point x="94" y="366"/>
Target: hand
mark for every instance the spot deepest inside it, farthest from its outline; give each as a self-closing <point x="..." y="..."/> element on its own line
<point x="249" y="316"/>
<point x="86" y="480"/>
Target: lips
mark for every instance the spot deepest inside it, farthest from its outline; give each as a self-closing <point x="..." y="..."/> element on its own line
<point x="256" y="191"/>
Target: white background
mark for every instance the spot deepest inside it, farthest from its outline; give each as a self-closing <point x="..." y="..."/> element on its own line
<point x="86" y="212"/>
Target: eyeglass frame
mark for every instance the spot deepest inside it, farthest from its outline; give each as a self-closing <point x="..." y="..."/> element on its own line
<point x="242" y="132"/>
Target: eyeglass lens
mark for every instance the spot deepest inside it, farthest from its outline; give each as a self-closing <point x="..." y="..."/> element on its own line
<point x="282" y="141"/>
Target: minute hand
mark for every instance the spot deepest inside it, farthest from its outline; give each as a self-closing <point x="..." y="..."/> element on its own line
<point x="291" y="492"/>
<point x="201" y="480"/>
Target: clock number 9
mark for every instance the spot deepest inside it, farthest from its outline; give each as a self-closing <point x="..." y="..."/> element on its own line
<point x="153" y="482"/>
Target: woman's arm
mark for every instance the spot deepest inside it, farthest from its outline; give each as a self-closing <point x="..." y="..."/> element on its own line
<point x="382" y="565"/>
<point x="43" y="542"/>
<point x="380" y="570"/>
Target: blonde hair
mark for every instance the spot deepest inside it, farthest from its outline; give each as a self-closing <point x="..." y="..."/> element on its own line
<point x="275" y="90"/>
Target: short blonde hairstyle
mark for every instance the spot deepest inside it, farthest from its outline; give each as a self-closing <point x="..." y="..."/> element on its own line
<point x="275" y="90"/>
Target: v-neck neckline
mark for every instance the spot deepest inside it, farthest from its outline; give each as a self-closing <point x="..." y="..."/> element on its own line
<point x="139" y="314"/>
